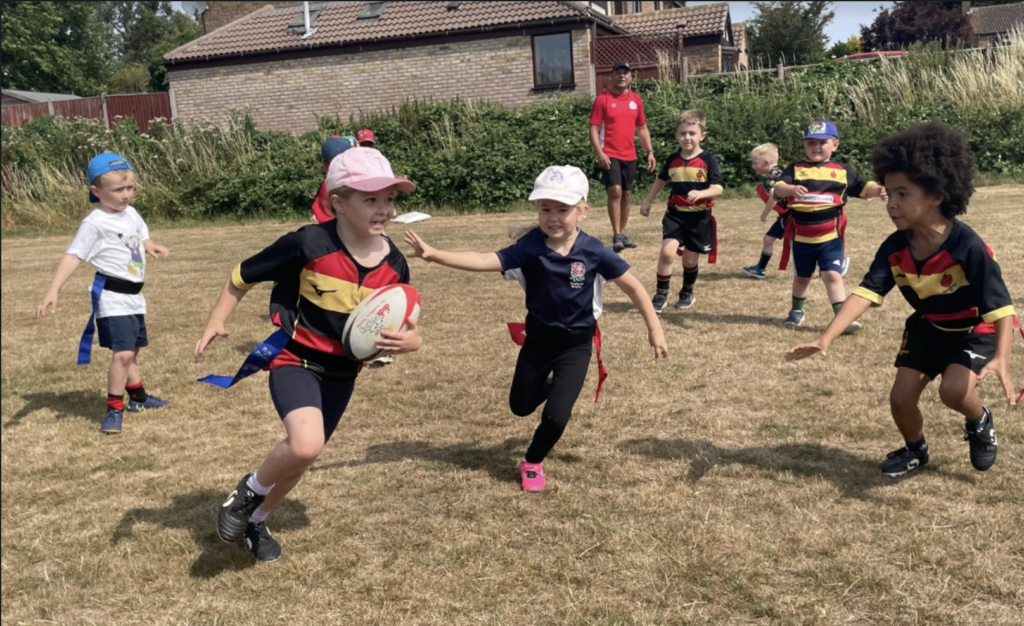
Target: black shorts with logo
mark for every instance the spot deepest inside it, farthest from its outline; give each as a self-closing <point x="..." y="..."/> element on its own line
<point x="621" y="173"/>
<point x="693" y="229"/>
<point x="928" y="350"/>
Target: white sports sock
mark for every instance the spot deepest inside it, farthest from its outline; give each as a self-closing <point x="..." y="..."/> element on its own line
<point x="258" y="516"/>
<point x="256" y="487"/>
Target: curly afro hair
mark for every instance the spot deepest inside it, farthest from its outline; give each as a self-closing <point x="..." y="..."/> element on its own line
<point x="934" y="157"/>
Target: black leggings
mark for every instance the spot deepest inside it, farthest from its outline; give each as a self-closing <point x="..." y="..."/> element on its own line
<point x="566" y="354"/>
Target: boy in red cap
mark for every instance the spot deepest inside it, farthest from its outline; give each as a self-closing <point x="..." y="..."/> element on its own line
<point x="365" y="139"/>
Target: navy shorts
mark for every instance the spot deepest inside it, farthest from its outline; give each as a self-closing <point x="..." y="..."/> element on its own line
<point x="692" y="229"/>
<point x="122" y="333"/>
<point x="293" y="387"/>
<point x="928" y="350"/>
<point x="621" y="173"/>
<point x="826" y="256"/>
<point x="778" y="229"/>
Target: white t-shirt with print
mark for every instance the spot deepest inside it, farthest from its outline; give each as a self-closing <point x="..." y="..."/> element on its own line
<point x="112" y="243"/>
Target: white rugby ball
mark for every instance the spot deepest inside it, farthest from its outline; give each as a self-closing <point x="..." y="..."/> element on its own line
<point x="385" y="310"/>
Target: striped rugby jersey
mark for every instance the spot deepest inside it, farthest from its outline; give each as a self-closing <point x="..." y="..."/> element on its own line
<point x="828" y="184"/>
<point x="317" y="283"/>
<point x="958" y="288"/>
<point x="685" y="175"/>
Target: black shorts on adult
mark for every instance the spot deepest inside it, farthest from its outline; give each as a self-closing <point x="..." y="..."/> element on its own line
<point x="122" y="333"/>
<point x="621" y="173"/>
<point x="293" y="387"/>
<point x="928" y="350"/>
<point x="692" y="229"/>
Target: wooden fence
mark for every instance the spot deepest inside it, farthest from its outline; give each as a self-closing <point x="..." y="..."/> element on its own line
<point x="142" y="107"/>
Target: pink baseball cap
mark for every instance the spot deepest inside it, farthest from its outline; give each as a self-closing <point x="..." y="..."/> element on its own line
<point x="366" y="170"/>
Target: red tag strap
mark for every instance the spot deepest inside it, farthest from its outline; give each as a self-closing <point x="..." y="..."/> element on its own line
<point x="517" y="330"/>
<point x="787" y="242"/>
<point x="713" y="257"/>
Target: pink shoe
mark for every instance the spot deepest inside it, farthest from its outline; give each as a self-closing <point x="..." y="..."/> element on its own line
<point x="532" y="475"/>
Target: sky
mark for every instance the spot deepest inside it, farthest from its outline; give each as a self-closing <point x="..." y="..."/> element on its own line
<point x="848" y="20"/>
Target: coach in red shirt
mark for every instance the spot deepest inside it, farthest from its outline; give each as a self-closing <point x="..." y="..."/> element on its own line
<point x="614" y="119"/>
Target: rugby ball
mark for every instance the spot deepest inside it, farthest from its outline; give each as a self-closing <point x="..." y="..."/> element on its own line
<point x="385" y="310"/>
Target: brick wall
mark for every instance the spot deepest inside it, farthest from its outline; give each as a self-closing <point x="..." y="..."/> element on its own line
<point x="218" y="14"/>
<point x="704" y="58"/>
<point x="288" y="95"/>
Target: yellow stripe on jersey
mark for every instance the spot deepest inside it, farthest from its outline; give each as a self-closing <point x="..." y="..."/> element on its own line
<point x="929" y="285"/>
<point x="998" y="314"/>
<point x="688" y="175"/>
<point x="827" y="174"/>
<point x="329" y="293"/>
<point x="870" y="296"/>
<point x="867" y="188"/>
<point x="236" y="279"/>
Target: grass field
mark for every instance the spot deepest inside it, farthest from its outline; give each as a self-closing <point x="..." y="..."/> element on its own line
<point x="719" y="486"/>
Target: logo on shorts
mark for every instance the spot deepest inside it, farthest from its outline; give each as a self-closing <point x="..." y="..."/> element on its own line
<point x="577" y="275"/>
<point x="947" y="280"/>
<point x="707" y="248"/>
<point x="974" y="356"/>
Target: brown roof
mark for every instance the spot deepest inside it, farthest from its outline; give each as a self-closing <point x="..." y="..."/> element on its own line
<point x="739" y="35"/>
<point x="998" y="18"/>
<point x="266" y="30"/>
<point x="705" y="19"/>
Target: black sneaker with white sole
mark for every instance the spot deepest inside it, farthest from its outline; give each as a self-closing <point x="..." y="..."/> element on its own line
<point x="659" y="301"/>
<point x="686" y="300"/>
<point x="899" y="462"/>
<point x="237" y="509"/>
<point x="983" y="442"/>
<point x="261" y="543"/>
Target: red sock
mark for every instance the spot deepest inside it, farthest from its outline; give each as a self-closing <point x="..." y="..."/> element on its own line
<point x="115" y="402"/>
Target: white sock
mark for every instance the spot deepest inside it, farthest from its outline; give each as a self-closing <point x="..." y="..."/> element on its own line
<point x="256" y="487"/>
<point x="258" y="516"/>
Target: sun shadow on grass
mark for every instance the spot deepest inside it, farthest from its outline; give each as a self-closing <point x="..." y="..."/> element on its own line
<point x="499" y="460"/>
<point x="852" y="475"/>
<point x="86" y="404"/>
<point x="196" y="512"/>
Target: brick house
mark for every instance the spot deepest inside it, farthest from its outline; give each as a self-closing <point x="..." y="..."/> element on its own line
<point x="991" y="25"/>
<point x="367" y="56"/>
<point x="709" y="36"/>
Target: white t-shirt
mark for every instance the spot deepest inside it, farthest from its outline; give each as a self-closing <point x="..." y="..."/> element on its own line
<point x="112" y="243"/>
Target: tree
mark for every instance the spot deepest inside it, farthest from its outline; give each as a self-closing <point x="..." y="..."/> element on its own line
<point x="844" y="48"/>
<point x="917" y="22"/>
<point x="129" y="79"/>
<point x="792" y="32"/>
<point x="157" y="72"/>
<point x="58" y="47"/>
<point x="145" y="31"/>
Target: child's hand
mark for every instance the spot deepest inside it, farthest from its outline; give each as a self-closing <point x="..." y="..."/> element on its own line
<point x="805" y="350"/>
<point x="419" y="247"/>
<point x="314" y="219"/>
<point x="213" y="330"/>
<point x="799" y="191"/>
<point x="1000" y="366"/>
<point x="695" y="195"/>
<point x="883" y="194"/>
<point x="157" y="252"/>
<point x="764" y="214"/>
<point x="408" y="340"/>
<point x="645" y="209"/>
<point x="656" y="338"/>
<point x="49" y="301"/>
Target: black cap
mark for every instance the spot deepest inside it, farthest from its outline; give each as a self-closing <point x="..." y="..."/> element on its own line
<point x="619" y="65"/>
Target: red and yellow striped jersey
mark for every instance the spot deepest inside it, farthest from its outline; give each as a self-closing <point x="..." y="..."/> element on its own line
<point x="685" y="175"/>
<point x="828" y="186"/>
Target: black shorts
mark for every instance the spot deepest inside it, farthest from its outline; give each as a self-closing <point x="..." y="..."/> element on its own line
<point x="122" y="333"/>
<point x="621" y="173"/>
<point x="778" y="229"/>
<point x="693" y="230"/>
<point x="293" y="387"/>
<point x="928" y="350"/>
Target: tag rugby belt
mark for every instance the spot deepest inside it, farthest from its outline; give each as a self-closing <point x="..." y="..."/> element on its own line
<point x="101" y="283"/>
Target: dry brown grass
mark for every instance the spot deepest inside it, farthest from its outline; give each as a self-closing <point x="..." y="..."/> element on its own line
<point x="719" y="486"/>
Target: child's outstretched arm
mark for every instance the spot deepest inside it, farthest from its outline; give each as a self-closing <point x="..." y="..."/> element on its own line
<point x="154" y="250"/>
<point x="67" y="267"/>
<point x="652" y="195"/>
<point x="469" y="261"/>
<point x="642" y="301"/>
<point x="229" y="298"/>
<point x="853" y="308"/>
<point x="1000" y="363"/>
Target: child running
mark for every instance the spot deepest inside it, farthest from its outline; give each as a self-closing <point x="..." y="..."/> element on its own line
<point x="688" y="222"/>
<point x="115" y="240"/>
<point x="817" y="189"/>
<point x="321" y="272"/>
<point x="563" y="269"/>
<point x="764" y="160"/>
<point x="963" y="319"/>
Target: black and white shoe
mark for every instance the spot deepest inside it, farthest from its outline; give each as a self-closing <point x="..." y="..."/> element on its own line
<point x="237" y="509"/>
<point x="686" y="300"/>
<point x="261" y="543"/>
<point x="659" y="301"/>
<point x="983" y="442"/>
<point x="899" y="462"/>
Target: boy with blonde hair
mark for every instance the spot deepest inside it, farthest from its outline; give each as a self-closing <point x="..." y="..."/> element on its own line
<point x="764" y="160"/>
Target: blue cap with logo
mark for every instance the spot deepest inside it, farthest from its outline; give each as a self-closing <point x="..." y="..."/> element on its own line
<point x="821" y="129"/>
<point x="333" y="147"/>
<point x="103" y="164"/>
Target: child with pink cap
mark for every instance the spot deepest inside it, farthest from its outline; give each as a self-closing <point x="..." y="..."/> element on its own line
<point x="562" y="269"/>
<point x="320" y="273"/>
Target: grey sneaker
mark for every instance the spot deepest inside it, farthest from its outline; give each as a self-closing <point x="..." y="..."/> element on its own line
<point x="794" y="319"/>
<point x="686" y="300"/>
<point x="659" y="301"/>
<point x="626" y="243"/>
<point x="617" y="244"/>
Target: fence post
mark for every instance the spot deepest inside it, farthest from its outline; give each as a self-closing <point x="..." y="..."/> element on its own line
<point x="103" y="105"/>
<point x="782" y="71"/>
<point x="49" y="106"/>
<point x="174" y="103"/>
<point x="686" y="71"/>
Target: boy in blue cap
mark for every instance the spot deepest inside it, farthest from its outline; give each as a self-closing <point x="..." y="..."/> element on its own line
<point x="331" y="148"/>
<point x="817" y="189"/>
<point x="114" y="239"/>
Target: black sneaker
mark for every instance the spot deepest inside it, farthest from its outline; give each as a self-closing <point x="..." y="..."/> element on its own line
<point x="983" y="442"/>
<point x="686" y="300"/>
<point x="659" y="301"/>
<point x="617" y="244"/>
<point x="899" y="462"/>
<point x="626" y="243"/>
<point x="261" y="543"/>
<point x="237" y="509"/>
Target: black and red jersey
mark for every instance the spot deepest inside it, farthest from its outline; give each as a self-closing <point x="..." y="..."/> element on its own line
<point x="958" y="288"/>
<point x="685" y="175"/>
<point x="317" y="285"/>
<point x="828" y="186"/>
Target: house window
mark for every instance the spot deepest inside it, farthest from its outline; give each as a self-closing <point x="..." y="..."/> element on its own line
<point x="657" y="6"/>
<point x="600" y="7"/>
<point x="619" y="8"/>
<point x="552" y="61"/>
<point x="636" y="7"/>
<point x="372" y="10"/>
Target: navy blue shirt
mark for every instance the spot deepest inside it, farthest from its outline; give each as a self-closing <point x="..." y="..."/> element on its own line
<point x="563" y="291"/>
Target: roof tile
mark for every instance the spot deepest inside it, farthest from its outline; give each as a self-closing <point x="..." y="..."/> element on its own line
<point x="998" y="18"/>
<point x="706" y="19"/>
